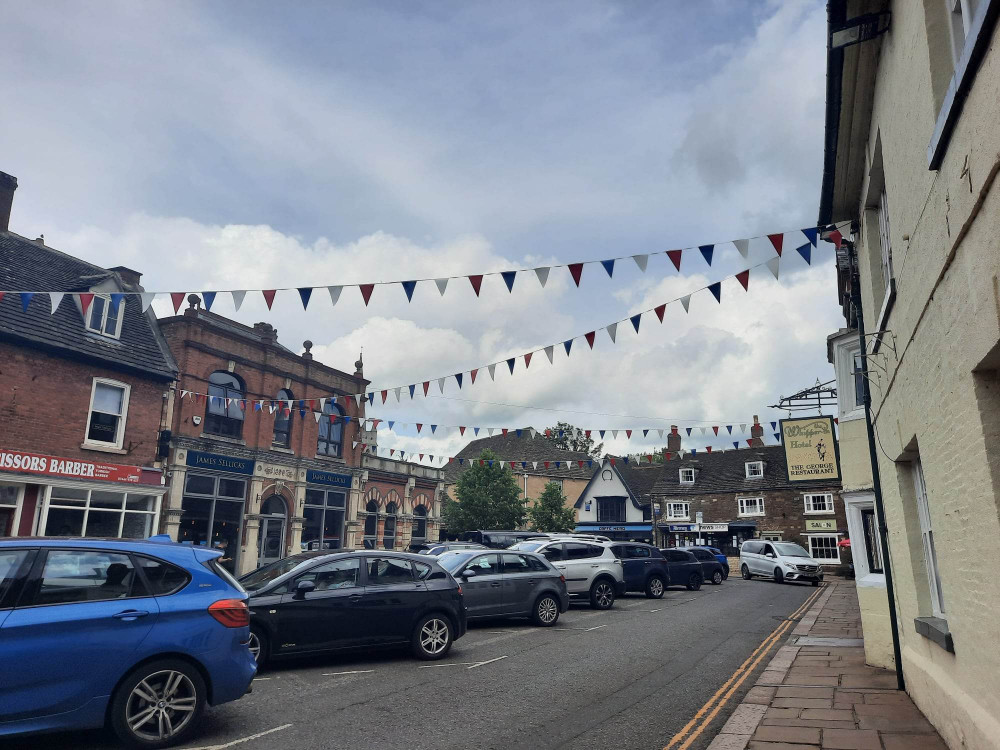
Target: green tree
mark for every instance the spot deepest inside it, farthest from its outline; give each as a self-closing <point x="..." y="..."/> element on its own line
<point x="550" y="513"/>
<point x="487" y="497"/>
<point x="574" y="439"/>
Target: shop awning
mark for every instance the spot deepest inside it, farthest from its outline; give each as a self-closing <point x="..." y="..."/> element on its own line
<point x="614" y="527"/>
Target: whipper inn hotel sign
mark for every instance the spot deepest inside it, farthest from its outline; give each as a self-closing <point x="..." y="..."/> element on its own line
<point x="811" y="450"/>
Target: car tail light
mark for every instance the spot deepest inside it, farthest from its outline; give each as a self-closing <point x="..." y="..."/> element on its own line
<point x="459" y="590"/>
<point x="232" y="613"/>
<point x="562" y="578"/>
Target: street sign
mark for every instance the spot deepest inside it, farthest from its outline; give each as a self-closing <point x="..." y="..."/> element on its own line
<point x="698" y="516"/>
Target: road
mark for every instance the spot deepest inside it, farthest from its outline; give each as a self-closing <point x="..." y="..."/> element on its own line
<point x="631" y="677"/>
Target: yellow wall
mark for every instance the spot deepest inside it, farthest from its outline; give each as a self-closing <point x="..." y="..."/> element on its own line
<point x="572" y="488"/>
<point x="855" y="462"/>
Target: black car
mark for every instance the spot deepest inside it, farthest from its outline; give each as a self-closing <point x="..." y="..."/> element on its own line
<point x="685" y="569"/>
<point x="714" y="571"/>
<point x="645" y="568"/>
<point x="330" y="601"/>
<point x="500" y="539"/>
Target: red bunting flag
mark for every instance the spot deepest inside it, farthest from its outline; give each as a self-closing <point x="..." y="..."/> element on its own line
<point x="384" y="396"/>
<point x="649" y="458"/>
<point x="750" y="441"/>
<point x="668" y="454"/>
<point x="580" y="464"/>
<point x="86" y="298"/>
<point x="744" y="279"/>
<point x="837" y="237"/>
<point x="176" y="297"/>
<point x="590" y="338"/>
<point x="660" y="310"/>
<point x="548" y="433"/>
<point x="427" y="384"/>
<point x="776" y="241"/>
<point x="708" y="448"/>
<point x="504" y="431"/>
<point x="546" y="464"/>
<point x="477" y="282"/>
<point x="482" y="462"/>
<point x="473" y="374"/>
<point x="366" y="292"/>
<point x="576" y="270"/>
<point x="715" y="429"/>
<point x="527" y="360"/>
<point x="512" y="465"/>
<point x="836" y="420"/>
<point x="269" y="296"/>
<point x="392" y="451"/>
<point x="628" y="433"/>
<point x="461" y="429"/>
<point x="419" y="426"/>
<point x="612" y="460"/>
<point x="421" y="456"/>
<point x="587" y="433"/>
<point x="675" y="257"/>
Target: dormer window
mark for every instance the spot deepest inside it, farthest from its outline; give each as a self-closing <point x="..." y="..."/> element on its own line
<point x="687" y="476"/>
<point x="103" y="318"/>
<point x="755" y="469"/>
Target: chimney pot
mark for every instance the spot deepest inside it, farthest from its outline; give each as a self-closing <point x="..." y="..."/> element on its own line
<point x="8" y="184"/>
<point x="756" y="433"/>
<point x="673" y="440"/>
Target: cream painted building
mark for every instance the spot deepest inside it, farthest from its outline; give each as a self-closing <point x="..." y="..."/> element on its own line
<point x="912" y="157"/>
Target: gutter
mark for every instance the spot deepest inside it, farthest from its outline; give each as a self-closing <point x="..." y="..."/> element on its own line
<point x="836" y="15"/>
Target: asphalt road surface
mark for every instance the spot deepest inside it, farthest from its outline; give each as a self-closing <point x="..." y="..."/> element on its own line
<point x="631" y="677"/>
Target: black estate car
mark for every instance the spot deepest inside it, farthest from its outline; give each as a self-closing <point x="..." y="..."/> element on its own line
<point x="714" y="571"/>
<point x="329" y="601"/>
<point x="685" y="569"/>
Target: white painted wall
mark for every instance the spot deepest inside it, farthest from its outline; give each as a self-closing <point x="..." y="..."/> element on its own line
<point x="607" y="484"/>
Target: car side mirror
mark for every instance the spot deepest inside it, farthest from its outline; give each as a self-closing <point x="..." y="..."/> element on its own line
<point x="304" y="587"/>
<point x="468" y="573"/>
<point x="769" y="554"/>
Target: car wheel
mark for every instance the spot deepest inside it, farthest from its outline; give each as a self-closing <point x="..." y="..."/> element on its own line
<point x="745" y="572"/>
<point x="717" y="578"/>
<point x="432" y="637"/>
<point x="815" y="583"/>
<point x="655" y="588"/>
<point x="779" y="577"/>
<point x="546" y="611"/>
<point x="259" y="647"/>
<point x="602" y="595"/>
<point x="158" y="704"/>
<point x="694" y="582"/>
<point x="725" y="574"/>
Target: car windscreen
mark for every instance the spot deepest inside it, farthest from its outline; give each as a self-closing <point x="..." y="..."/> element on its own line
<point x="258" y="579"/>
<point x="528" y="546"/>
<point x="791" y="550"/>
<point x="452" y="561"/>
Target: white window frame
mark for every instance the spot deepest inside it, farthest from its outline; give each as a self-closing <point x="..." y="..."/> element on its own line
<point x="104" y="317"/>
<point x="758" y="464"/>
<point x="48" y="503"/>
<point x="771" y="536"/>
<point x="558" y="482"/>
<point x="960" y="15"/>
<point x="682" y="472"/>
<point x="927" y="538"/>
<point x="844" y="352"/>
<point x="18" y="505"/>
<point x="671" y="515"/>
<point x="811" y="510"/>
<point x="836" y="548"/>
<point x="885" y="241"/>
<point x="742" y="512"/>
<point x="120" y="435"/>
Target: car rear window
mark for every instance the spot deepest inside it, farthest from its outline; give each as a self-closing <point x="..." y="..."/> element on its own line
<point x="162" y="578"/>
<point x="576" y="551"/>
<point x="554" y="552"/>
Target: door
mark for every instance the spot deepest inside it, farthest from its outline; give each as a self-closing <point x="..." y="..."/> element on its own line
<point x="519" y="584"/>
<point x="581" y="565"/>
<point x="765" y="564"/>
<point x="484" y="590"/>
<point x="636" y="562"/>
<point x="271" y="541"/>
<point x="81" y="616"/>
<point x="329" y="616"/>
<point x="392" y="599"/>
<point x="554" y="554"/>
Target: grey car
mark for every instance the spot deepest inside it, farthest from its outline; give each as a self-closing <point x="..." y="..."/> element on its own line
<point x="508" y="584"/>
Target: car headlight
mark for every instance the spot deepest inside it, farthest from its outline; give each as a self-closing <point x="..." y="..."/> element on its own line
<point x="790" y="566"/>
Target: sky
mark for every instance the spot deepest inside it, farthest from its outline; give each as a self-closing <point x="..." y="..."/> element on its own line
<point x="259" y="145"/>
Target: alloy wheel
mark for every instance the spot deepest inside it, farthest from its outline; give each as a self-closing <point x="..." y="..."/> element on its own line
<point x="547" y="610"/>
<point x="254" y="646"/>
<point x="656" y="587"/>
<point x="717" y="577"/>
<point x="434" y="636"/>
<point x="604" y="595"/>
<point x="161" y="705"/>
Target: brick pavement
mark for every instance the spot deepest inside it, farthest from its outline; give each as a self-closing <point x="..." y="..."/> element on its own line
<point x="817" y="692"/>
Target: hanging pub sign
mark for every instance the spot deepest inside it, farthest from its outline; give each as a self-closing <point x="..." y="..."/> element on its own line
<point x="67" y="468"/>
<point x="811" y="450"/>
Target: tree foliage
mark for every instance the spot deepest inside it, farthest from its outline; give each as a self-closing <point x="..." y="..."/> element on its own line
<point x="487" y="497"/>
<point x="570" y="438"/>
<point x="549" y="513"/>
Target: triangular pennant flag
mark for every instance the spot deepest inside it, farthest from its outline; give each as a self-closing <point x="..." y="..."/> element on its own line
<point x="743" y="428"/>
<point x="546" y="464"/>
<point x="612" y="330"/>
<point x="354" y="444"/>
<point x="238" y="297"/>
<point x="56" y="297"/>
<point x="371" y="398"/>
<point x="836" y="238"/>
<point x="749" y="441"/>
<point x="743" y="246"/>
<point x="548" y="353"/>
<point x="641" y="260"/>
<point x="716" y="289"/>
<point x="492" y="370"/>
<point x="628" y="433"/>
<point x="590" y="338"/>
<point x="420" y="426"/>
<point x="508" y="279"/>
<point x="568" y="344"/>
<point x="777" y="436"/>
<point x="475" y="431"/>
<point x="334" y="293"/>
<point x="708" y="448"/>
<point x="812" y="233"/>
<point x="458" y="379"/>
<point x="534" y="464"/>
<point x="774" y="425"/>
<point x="176" y="297"/>
<point x="477" y="281"/>
<point x="601" y="432"/>
<point x="504" y="431"/>
<point x="427" y="384"/>
<point x="408" y="287"/>
<point x="675" y="258"/>
<point x="209" y="299"/>
<point x="412" y="389"/>
<point x="776" y="241"/>
<point x="614" y="434"/>
<point x="366" y="292"/>
<point x="147" y="299"/>
<point x="461" y="430"/>
<point x="579" y="464"/>
<point x="542" y="274"/>
<point x="533" y="431"/>
<point x="472" y="374"/>
<point x="736" y="444"/>
<point x="421" y="456"/>
<point x="772" y="266"/>
<point x="441" y="384"/>
<point x="659" y="310"/>
<point x="317" y="415"/>
<point x="706" y="251"/>
<point x="116" y="299"/>
<point x="688" y="431"/>
<point x="705" y="430"/>
<point x="744" y="278"/>
<point x="645" y="432"/>
<point x="397" y="391"/>
<point x="660" y="433"/>
<point x="649" y="458"/>
<point x="85" y="298"/>
<point x="305" y="293"/>
<point x="715" y="429"/>
<point x="513" y="465"/>
<point x="686" y="302"/>
<point x="442" y="284"/>
<point x="806" y="252"/>
<point x="510" y="364"/>
<point x="26" y="300"/>
<point x="609" y="266"/>
<point x="576" y="271"/>
<point x="391" y="423"/>
<point x="392" y="451"/>
<point x="518" y="432"/>
<point x="433" y="428"/>
<point x="269" y="296"/>
<point x="635" y="321"/>
<point x="558" y="463"/>
<point x="527" y="360"/>
<point x="612" y="460"/>
<point x="385" y="395"/>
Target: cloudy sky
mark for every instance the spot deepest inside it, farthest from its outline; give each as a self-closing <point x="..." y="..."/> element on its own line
<point x="252" y="144"/>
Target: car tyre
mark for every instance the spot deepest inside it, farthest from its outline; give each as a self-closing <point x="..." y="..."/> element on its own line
<point x="815" y="583"/>
<point x="725" y="574"/>
<point x="655" y="587"/>
<point x="694" y="582"/>
<point x="546" y="612"/>
<point x="432" y="638"/>
<point x="602" y="594"/>
<point x="779" y="577"/>
<point x="166" y="697"/>
<point x="717" y="578"/>
<point x="259" y="645"/>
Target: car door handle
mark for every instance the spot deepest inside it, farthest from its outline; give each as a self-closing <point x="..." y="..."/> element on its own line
<point x="130" y="614"/>
<point x="532" y="581"/>
<point x="354" y="598"/>
<point x="496" y="584"/>
<point x="561" y="567"/>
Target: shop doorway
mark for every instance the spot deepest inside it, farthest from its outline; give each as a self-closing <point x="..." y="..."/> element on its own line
<point x="271" y="540"/>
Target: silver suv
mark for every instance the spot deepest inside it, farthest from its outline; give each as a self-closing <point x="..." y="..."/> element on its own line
<point x="590" y="567"/>
<point x="782" y="561"/>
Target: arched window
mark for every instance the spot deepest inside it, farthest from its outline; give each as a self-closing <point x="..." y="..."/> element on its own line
<point x="331" y="433"/>
<point x="273" y="506"/>
<point x="283" y="420"/>
<point x="419" y="524"/>
<point x="371" y="524"/>
<point x="389" y="532"/>
<point x="223" y="415"/>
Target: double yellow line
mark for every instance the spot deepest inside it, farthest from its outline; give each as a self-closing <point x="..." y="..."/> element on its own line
<point x="711" y="708"/>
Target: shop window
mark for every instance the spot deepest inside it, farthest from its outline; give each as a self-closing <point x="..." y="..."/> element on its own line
<point x="610" y="509"/>
<point x="212" y="515"/>
<point x="86" y="576"/>
<point x="678" y="510"/>
<point x="371" y="524"/>
<point x="927" y="537"/>
<point x="824" y="547"/>
<point x="10" y="509"/>
<point x="223" y="415"/>
<point x="105" y="318"/>
<point x="107" y="413"/>
<point x="283" y="420"/>
<point x="754" y="469"/>
<point x="751" y="506"/>
<point x="819" y="503"/>
<point x="389" y="530"/>
<point x="324" y="514"/>
<point x="419" y="524"/>
<point x="331" y="431"/>
<point x="687" y="476"/>
<point x="103" y="513"/>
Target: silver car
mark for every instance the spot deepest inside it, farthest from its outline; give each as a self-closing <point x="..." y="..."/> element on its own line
<point x="508" y="584"/>
<point x="590" y="567"/>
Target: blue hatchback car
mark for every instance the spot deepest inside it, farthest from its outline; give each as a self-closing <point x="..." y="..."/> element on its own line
<point x="135" y="635"/>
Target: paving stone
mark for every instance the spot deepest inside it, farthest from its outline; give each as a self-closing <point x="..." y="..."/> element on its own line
<point x="804" y="692"/>
<point x="729" y="742"/>
<point x="851" y="739"/>
<point x="816" y="680"/>
<point x="759" y="694"/>
<point x="802" y="735"/>
<point x="918" y="725"/>
<point x="817" y="723"/>
<point x="782" y="713"/>
<point x="802" y="703"/>
<point x="883" y="698"/>
<point x="779" y="746"/>
<point x="913" y="742"/>
<point x="868" y="681"/>
<point x="826" y="713"/>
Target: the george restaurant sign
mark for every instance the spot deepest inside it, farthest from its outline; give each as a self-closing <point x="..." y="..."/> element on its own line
<point x="67" y="468"/>
<point x="811" y="450"/>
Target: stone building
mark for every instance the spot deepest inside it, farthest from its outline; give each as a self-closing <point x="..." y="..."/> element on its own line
<point x="912" y="159"/>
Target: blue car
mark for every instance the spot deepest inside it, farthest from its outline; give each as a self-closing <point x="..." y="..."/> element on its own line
<point x="135" y="635"/>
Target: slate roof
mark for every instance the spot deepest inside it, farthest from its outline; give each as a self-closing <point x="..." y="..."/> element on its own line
<point x="28" y="265"/>
<point x="640" y="479"/>
<point x="725" y="471"/>
<point x="510" y="447"/>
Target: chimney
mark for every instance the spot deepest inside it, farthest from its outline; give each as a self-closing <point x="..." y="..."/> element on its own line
<point x="673" y="440"/>
<point x="8" y="184"/>
<point x="267" y="333"/>
<point x="128" y="276"/>
<point x="756" y="433"/>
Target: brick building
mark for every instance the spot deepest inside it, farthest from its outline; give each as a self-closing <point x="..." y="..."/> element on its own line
<point x="82" y="392"/>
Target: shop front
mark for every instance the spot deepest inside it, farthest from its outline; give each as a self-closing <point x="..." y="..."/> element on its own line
<point x="726" y="536"/>
<point x="325" y="509"/>
<point x="621" y="532"/>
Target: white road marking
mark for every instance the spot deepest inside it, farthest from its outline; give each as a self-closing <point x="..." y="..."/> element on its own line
<point x="596" y="627"/>
<point x="653" y="610"/>
<point x="356" y="671"/>
<point x="241" y="740"/>
<point x="482" y="663"/>
<point x="451" y="664"/>
<point x="258" y="679"/>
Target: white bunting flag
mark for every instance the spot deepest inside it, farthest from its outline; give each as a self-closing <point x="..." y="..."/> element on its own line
<point x="548" y="353"/>
<point x="686" y="301"/>
<point x="542" y="274"/>
<point x="641" y="260"/>
<point x="322" y="403"/>
<point x="56" y="298"/>
<point x="660" y="432"/>
<point x="772" y="265"/>
<point x="743" y="246"/>
<point x="612" y="329"/>
<point x="743" y="428"/>
<point x="704" y="430"/>
<point x="238" y="295"/>
<point x="354" y="444"/>
<point x="492" y="368"/>
<point x="442" y="284"/>
<point x="614" y="434"/>
<point x="534" y="464"/>
<point x="441" y="384"/>
<point x="490" y="431"/>
<point x="317" y="414"/>
<point x="334" y="293"/>
<point x="146" y="299"/>
<point x="185" y="394"/>
<point x="396" y="391"/>
<point x="532" y="431"/>
<point x="357" y="399"/>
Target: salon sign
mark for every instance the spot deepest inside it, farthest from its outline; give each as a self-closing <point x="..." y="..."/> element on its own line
<point x="67" y="468"/>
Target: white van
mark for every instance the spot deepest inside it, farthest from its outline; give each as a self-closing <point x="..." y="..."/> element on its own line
<point x="782" y="561"/>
